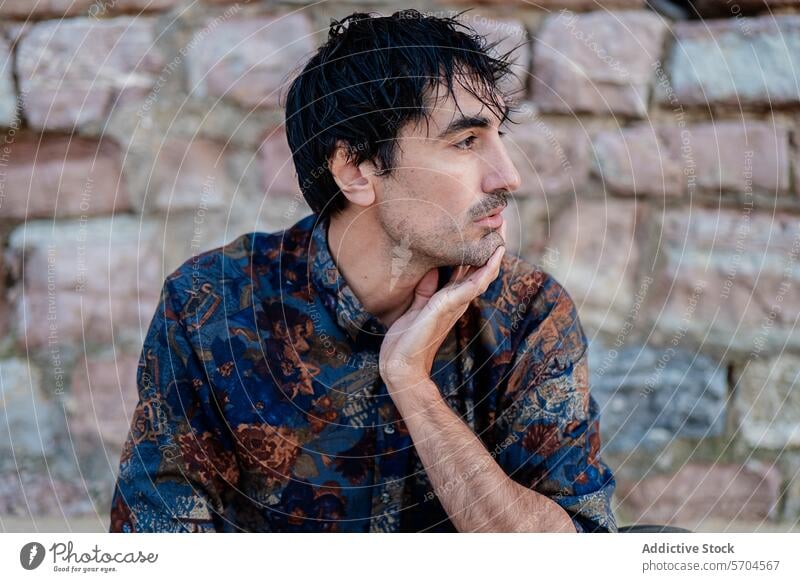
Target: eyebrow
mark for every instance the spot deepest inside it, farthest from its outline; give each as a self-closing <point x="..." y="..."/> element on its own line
<point x="466" y="122"/>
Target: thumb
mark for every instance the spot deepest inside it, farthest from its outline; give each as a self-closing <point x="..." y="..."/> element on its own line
<point x="425" y="289"/>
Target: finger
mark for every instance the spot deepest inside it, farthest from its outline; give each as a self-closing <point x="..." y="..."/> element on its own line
<point x="498" y="260"/>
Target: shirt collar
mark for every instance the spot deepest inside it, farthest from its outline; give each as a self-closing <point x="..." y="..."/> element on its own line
<point x="336" y="294"/>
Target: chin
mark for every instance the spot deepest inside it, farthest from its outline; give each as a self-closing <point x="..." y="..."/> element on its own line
<point x="481" y="253"/>
<point x="474" y="253"/>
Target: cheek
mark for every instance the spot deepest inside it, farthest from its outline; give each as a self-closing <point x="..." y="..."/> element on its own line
<point x="434" y="188"/>
<point x="443" y="193"/>
<point x="413" y="217"/>
<point x="418" y="218"/>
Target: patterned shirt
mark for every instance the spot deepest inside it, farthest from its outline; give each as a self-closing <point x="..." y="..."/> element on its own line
<point x="261" y="406"/>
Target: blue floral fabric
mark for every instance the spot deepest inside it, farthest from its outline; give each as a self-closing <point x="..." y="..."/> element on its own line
<point x="261" y="407"/>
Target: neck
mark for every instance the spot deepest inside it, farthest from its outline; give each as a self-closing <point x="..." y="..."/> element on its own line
<point x="381" y="272"/>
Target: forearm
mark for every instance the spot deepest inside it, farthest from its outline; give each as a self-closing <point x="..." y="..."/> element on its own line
<point x="474" y="490"/>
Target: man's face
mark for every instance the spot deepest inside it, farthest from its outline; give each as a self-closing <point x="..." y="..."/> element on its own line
<point x="447" y="175"/>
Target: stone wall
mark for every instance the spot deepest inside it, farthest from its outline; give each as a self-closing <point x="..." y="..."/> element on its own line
<point x="660" y="155"/>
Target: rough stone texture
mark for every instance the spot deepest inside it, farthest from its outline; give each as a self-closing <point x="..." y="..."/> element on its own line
<point x="596" y="62"/>
<point x="551" y="159"/>
<point x="717" y="9"/>
<point x="648" y="397"/>
<point x="62" y="176"/>
<point x="698" y="491"/>
<point x="44" y="8"/>
<point x="729" y="280"/>
<point x="78" y="276"/>
<point x="712" y="62"/>
<point x="4" y="317"/>
<point x="74" y="72"/>
<point x="112" y="6"/>
<point x="768" y="402"/>
<point x="595" y="252"/>
<point x="556" y="4"/>
<point x="790" y="468"/>
<point x="8" y="96"/>
<point x="278" y="175"/>
<point x="508" y="34"/>
<point x="249" y="61"/>
<point x="12" y="31"/>
<point x="93" y="8"/>
<point x="188" y="175"/>
<point x="732" y="156"/>
<point x="722" y="157"/>
<point x="796" y="170"/>
<point x="528" y="220"/>
<point x="29" y="420"/>
<point x="4" y="308"/>
<point x="634" y="161"/>
<point x="268" y="214"/>
<point x="102" y="399"/>
<point x="37" y="495"/>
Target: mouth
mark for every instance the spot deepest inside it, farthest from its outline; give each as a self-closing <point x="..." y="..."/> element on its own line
<point x="494" y="219"/>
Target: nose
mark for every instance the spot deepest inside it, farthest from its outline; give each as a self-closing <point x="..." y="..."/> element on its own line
<point x="501" y="174"/>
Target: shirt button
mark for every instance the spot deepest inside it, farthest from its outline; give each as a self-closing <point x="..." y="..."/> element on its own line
<point x="385" y="497"/>
<point x="388" y="429"/>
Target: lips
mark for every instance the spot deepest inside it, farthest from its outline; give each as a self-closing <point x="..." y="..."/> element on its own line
<point x="492" y="220"/>
<point x="494" y="212"/>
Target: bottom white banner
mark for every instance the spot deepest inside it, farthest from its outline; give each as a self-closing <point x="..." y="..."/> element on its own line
<point x="388" y="558"/>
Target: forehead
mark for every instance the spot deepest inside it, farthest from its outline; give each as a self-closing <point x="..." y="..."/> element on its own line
<point x="446" y="106"/>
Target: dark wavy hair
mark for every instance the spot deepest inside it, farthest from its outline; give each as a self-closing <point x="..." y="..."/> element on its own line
<point x="372" y="76"/>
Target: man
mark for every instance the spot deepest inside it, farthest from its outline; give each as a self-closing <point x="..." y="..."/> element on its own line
<point x="381" y="365"/>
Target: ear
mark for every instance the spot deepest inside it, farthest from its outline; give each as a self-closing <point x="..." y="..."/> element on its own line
<point x="355" y="181"/>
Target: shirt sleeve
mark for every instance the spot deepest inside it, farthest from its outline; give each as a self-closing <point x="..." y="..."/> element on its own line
<point x="175" y="468"/>
<point x="548" y="434"/>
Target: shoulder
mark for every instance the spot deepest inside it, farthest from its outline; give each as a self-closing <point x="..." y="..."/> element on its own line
<point x="224" y="280"/>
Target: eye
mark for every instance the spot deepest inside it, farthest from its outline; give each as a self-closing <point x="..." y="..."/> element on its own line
<point x="501" y="133"/>
<point x="466" y="143"/>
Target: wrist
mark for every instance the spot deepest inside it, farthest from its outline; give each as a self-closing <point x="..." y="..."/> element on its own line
<point x="413" y="394"/>
<point x="404" y="378"/>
